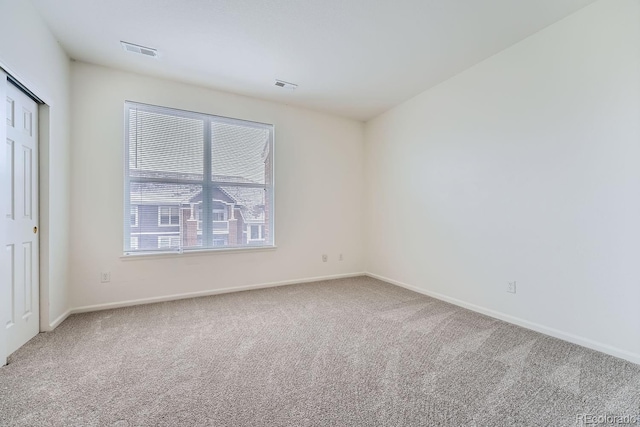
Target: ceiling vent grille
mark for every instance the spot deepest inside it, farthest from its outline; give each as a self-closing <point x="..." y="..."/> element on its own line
<point x="142" y="50"/>
<point x="286" y="85"/>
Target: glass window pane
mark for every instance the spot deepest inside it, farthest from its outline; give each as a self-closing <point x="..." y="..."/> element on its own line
<point x="165" y="146"/>
<point x="134" y="216"/>
<point x="244" y="211"/>
<point x="166" y="215"/>
<point x="170" y="173"/>
<point x="238" y="152"/>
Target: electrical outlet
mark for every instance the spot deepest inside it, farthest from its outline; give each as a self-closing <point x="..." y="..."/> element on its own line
<point x="325" y="258"/>
<point x="511" y="287"/>
<point x="340" y="257"/>
<point x="105" y="277"/>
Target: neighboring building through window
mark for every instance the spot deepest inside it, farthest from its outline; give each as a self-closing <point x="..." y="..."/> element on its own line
<point x="219" y="215"/>
<point x="219" y="241"/>
<point x="256" y="232"/>
<point x="168" y="242"/>
<point x="168" y="215"/>
<point x="195" y="181"/>
<point x="134" y="216"/>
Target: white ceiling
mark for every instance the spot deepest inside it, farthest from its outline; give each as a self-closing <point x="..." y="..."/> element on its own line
<point x="355" y="58"/>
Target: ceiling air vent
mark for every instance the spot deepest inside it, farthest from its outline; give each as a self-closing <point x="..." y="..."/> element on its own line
<point x="286" y="85"/>
<point x="134" y="48"/>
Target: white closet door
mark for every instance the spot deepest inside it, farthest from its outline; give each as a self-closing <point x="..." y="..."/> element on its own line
<point x="20" y="260"/>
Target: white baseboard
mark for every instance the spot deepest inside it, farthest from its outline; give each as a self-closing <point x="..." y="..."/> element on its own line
<point x="585" y="342"/>
<point x="59" y="320"/>
<point x="575" y="339"/>
<point x="186" y="295"/>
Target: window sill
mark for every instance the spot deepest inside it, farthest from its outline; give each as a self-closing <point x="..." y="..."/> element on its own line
<point x="201" y="252"/>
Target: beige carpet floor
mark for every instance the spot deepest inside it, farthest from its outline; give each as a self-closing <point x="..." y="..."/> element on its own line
<point x="352" y="352"/>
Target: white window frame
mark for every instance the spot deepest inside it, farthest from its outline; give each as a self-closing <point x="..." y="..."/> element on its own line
<point x="208" y="183"/>
<point x="261" y="236"/>
<point x="224" y="213"/>
<point x="135" y="243"/>
<point x="171" y="207"/>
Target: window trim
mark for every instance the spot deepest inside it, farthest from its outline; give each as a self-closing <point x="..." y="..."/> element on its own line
<point x="145" y="255"/>
<point x="160" y="224"/>
<point x="260" y="226"/>
<point x="207" y="183"/>
<point x="224" y="212"/>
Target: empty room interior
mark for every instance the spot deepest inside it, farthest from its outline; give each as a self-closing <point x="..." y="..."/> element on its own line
<point x="320" y="213"/>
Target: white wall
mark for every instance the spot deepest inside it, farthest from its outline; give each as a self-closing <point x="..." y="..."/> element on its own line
<point x="319" y="189"/>
<point x="31" y="54"/>
<point x="525" y="167"/>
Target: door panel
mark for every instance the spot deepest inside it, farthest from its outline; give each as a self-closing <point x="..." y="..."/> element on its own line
<point x="11" y="282"/>
<point x="10" y="108"/>
<point x="26" y="181"/>
<point x="21" y="218"/>
<point x="10" y="202"/>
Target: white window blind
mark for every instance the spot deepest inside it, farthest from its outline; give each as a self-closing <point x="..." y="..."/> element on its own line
<point x="195" y="181"/>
